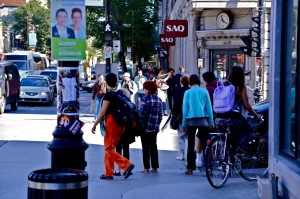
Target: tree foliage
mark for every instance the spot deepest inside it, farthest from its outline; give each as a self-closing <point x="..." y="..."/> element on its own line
<point x="134" y="22"/>
<point x="33" y="17"/>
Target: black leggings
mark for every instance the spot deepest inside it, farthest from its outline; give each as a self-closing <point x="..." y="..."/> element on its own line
<point x="125" y="148"/>
<point x="203" y="135"/>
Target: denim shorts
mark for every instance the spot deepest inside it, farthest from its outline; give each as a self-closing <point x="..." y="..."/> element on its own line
<point x="240" y="129"/>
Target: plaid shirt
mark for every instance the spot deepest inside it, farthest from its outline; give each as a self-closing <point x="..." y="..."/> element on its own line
<point x="151" y="112"/>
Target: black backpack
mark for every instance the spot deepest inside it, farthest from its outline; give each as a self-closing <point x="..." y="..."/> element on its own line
<point x="124" y="109"/>
<point x="138" y="128"/>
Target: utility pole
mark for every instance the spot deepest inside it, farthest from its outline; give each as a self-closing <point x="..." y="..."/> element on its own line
<point x="107" y="34"/>
<point x="257" y="37"/>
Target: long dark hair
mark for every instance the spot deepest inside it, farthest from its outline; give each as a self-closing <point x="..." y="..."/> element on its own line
<point x="237" y="78"/>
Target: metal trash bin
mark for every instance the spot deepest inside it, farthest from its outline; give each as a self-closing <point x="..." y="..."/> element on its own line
<point x="58" y="183"/>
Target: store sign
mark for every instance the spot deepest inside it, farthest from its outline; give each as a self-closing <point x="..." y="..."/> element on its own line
<point x="166" y="41"/>
<point x="176" y="28"/>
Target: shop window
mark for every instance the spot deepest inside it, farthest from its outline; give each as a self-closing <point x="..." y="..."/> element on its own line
<point x="290" y="131"/>
<point x="223" y="60"/>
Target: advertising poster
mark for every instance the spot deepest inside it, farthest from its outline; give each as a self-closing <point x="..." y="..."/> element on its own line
<point x="68" y="30"/>
<point x="67" y="100"/>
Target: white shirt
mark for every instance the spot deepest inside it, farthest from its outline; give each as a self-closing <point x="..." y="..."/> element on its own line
<point x="139" y="82"/>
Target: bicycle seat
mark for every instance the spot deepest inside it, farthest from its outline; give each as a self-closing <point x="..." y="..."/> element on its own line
<point x="217" y="133"/>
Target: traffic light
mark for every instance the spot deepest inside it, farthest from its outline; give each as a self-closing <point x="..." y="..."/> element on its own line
<point x="257" y="30"/>
<point x="248" y="48"/>
<point x="253" y="42"/>
<point x="108" y="37"/>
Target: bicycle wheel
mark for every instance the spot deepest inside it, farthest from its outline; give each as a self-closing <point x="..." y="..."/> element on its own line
<point x="216" y="166"/>
<point x="254" y="158"/>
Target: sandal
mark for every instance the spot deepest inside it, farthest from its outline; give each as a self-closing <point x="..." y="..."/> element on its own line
<point x="117" y="173"/>
<point x="189" y="172"/>
<point x="145" y="170"/>
<point x="105" y="177"/>
<point x="153" y="171"/>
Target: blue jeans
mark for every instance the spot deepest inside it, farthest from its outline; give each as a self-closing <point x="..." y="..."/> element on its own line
<point x="97" y="106"/>
<point x="182" y="137"/>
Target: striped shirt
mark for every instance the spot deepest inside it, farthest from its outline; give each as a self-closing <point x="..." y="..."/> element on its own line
<point x="151" y="112"/>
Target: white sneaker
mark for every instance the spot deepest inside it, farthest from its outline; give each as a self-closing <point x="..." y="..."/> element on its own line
<point x="180" y="158"/>
<point x="198" y="163"/>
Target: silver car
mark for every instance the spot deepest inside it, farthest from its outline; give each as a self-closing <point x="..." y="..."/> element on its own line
<point x="37" y="89"/>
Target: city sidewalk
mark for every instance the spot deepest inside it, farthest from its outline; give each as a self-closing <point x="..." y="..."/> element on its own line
<point x="20" y="157"/>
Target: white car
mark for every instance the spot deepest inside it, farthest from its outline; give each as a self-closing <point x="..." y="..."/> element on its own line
<point x="36" y="89"/>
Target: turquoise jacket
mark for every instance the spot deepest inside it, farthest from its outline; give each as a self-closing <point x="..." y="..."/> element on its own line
<point x="196" y="103"/>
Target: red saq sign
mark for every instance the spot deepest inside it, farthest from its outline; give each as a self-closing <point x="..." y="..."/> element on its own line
<point x="166" y="41"/>
<point x="176" y="28"/>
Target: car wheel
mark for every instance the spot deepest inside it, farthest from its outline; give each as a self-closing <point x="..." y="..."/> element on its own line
<point x="14" y="106"/>
<point x="2" y="104"/>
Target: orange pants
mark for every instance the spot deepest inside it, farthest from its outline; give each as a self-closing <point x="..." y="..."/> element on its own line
<point x="111" y="139"/>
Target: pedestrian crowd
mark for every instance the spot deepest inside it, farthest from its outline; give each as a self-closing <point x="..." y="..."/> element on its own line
<point x="191" y="104"/>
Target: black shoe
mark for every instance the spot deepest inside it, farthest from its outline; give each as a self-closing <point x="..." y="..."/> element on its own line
<point x="128" y="171"/>
<point x="116" y="173"/>
<point x="125" y="173"/>
<point x="104" y="177"/>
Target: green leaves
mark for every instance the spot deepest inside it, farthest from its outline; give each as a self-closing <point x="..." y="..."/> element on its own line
<point x="133" y="22"/>
<point x="32" y="17"/>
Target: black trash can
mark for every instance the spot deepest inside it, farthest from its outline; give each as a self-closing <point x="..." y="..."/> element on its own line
<point x="60" y="183"/>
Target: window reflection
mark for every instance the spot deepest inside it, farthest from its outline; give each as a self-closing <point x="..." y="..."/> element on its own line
<point x="220" y="61"/>
<point x="224" y="60"/>
<point x="291" y="88"/>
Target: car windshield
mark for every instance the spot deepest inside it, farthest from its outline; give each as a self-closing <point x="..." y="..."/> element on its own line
<point x="52" y="75"/>
<point x="21" y="65"/>
<point x="34" y="82"/>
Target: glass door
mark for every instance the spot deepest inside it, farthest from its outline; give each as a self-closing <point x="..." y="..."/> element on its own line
<point x="223" y="60"/>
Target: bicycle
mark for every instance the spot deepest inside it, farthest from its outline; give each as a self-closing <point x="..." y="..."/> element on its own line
<point x="221" y="161"/>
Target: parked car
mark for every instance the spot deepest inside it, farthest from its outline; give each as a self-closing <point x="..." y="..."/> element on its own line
<point x="53" y="76"/>
<point x="36" y="89"/>
<point x="262" y="108"/>
<point x="9" y="85"/>
<point x="88" y="86"/>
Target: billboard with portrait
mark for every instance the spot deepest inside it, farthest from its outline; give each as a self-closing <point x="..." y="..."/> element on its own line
<point x="68" y="30"/>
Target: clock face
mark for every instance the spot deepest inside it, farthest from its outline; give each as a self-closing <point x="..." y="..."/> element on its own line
<point x="224" y="20"/>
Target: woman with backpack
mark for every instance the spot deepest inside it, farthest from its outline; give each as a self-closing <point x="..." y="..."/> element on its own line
<point x="177" y="111"/>
<point x="126" y="139"/>
<point x="197" y="114"/>
<point x="114" y="132"/>
<point x="240" y="128"/>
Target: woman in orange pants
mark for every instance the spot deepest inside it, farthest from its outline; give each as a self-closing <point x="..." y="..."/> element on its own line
<point x="113" y="133"/>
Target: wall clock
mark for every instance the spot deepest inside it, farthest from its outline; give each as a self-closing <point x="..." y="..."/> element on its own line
<point x="224" y="20"/>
